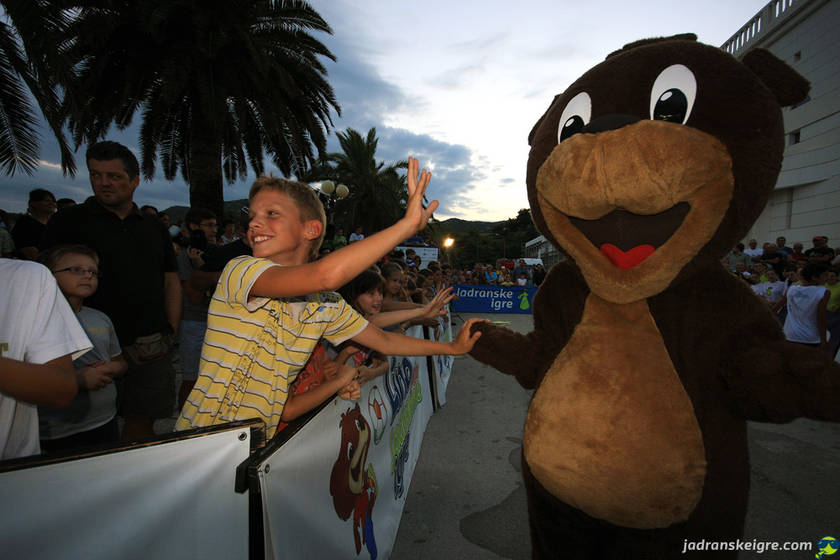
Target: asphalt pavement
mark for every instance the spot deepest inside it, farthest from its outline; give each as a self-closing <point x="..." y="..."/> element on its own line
<point x="467" y="499"/>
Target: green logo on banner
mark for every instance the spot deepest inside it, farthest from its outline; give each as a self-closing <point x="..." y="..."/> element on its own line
<point x="523" y="301"/>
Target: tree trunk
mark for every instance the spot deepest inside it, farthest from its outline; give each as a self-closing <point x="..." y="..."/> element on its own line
<point x="205" y="166"/>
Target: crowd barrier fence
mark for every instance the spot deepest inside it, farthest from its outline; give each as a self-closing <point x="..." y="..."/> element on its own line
<point x="332" y="484"/>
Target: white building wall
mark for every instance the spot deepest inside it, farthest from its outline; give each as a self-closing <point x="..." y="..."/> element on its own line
<point x="806" y="201"/>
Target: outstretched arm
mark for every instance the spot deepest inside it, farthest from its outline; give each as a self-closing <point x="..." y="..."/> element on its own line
<point x="778" y="381"/>
<point x="716" y="325"/>
<point x="395" y="344"/>
<point x="429" y="311"/>
<point x="558" y="307"/>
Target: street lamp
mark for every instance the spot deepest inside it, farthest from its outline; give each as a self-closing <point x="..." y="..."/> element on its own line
<point x="447" y="244"/>
<point x="329" y="192"/>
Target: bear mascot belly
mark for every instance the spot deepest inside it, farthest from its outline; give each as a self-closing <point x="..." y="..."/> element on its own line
<point x="647" y="356"/>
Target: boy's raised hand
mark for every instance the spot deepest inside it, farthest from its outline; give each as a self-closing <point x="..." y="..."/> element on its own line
<point x="466" y="340"/>
<point x="416" y="215"/>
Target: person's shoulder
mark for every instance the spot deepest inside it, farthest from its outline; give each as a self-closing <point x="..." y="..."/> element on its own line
<point x="91" y="314"/>
<point x="245" y="264"/>
<point x="31" y="279"/>
<point x="24" y="268"/>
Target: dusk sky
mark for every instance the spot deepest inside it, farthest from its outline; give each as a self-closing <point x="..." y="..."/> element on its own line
<point x="457" y="84"/>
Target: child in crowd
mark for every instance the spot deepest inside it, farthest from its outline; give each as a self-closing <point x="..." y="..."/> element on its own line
<point x="260" y="333"/>
<point x="394" y="277"/>
<point x="522" y="280"/>
<point x="365" y="294"/>
<point x="91" y="418"/>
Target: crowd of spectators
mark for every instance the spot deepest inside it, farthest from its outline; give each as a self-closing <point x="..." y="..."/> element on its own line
<point x="799" y="286"/>
<point x="521" y="274"/>
<point x="140" y="286"/>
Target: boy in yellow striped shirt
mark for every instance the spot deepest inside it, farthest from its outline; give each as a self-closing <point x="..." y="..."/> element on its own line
<point x="270" y="310"/>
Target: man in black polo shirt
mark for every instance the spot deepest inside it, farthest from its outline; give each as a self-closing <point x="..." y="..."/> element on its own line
<point x="139" y="288"/>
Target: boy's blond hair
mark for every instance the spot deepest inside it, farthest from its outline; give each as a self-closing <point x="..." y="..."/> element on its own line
<point x="303" y="197"/>
<point x="50" y="257"/>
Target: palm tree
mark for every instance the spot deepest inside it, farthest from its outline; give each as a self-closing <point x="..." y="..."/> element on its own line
<point x="32" y="62"/>
<point x="220" y="83"/>
<point x="378" y="193"/>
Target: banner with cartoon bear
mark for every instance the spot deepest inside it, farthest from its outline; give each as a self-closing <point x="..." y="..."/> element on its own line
<point x="336" y="489"/>
<point x="492" y="299"/>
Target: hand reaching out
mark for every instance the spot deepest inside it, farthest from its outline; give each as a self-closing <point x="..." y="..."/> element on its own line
<point x="414" y="212"/>
<point x="466" y="340"/>
<point x="436" y="306"/>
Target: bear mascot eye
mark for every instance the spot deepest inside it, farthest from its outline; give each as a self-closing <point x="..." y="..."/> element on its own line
<point x="673" y="94"/>
<point x="575" y="116"/>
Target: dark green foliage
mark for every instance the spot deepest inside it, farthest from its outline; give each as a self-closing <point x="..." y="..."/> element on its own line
<point x="219" y="84"/>
<point x="378" y="193"/>
<point x="33" y="62"/>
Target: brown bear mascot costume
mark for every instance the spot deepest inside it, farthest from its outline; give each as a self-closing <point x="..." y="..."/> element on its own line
<point x="647" y="356"/>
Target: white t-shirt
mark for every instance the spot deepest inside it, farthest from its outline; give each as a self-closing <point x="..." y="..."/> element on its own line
<point x="36" y="326"/>
<point x="771" y="291"/>
<point x="801" y="321"/>
<point x="757" y="252"/>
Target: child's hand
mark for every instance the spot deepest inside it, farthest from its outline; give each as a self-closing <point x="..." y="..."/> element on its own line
<point x="195" y="257"/>
<point x="330" y="369"/>
<point x="346" y="374"/>
<point x="466" y="340"/>
<point x="96" y="376"/>
<point x="351" y="392"/>
<point x="415" y="214"/>
<point x="436" y="306"/>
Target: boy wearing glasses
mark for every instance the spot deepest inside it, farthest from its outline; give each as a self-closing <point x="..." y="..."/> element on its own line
<point x="91" y="418"/>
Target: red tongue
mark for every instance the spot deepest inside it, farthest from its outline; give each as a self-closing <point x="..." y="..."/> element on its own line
<point x="629" y="259"/>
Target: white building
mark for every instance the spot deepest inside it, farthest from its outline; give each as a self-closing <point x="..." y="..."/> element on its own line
<point x="806" y="200"/>
<point x="540" y="248"/>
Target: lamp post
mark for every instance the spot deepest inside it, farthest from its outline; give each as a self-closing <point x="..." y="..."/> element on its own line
<point x="447" y="244"/>
<point x="329" y="192"/>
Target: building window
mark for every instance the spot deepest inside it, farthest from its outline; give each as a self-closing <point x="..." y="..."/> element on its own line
<point x="793" y="138"/>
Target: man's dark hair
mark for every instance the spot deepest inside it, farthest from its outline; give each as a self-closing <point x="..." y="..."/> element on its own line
<point x="37" y="195"/>
<point x="149" y="207"/>
<point x="108" y="150"/>
<point x="196" y="215"/>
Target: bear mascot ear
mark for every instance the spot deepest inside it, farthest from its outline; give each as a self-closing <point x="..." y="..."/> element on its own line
<point x="786" y="84"/>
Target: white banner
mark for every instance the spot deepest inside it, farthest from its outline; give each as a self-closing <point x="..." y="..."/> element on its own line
<point x="170" y="500"/>
<point x="442" y="364"/>
<point x="337" y="488"/>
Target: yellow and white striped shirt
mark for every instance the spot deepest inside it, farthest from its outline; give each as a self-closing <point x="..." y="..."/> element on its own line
<point x="253" y="350"/>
